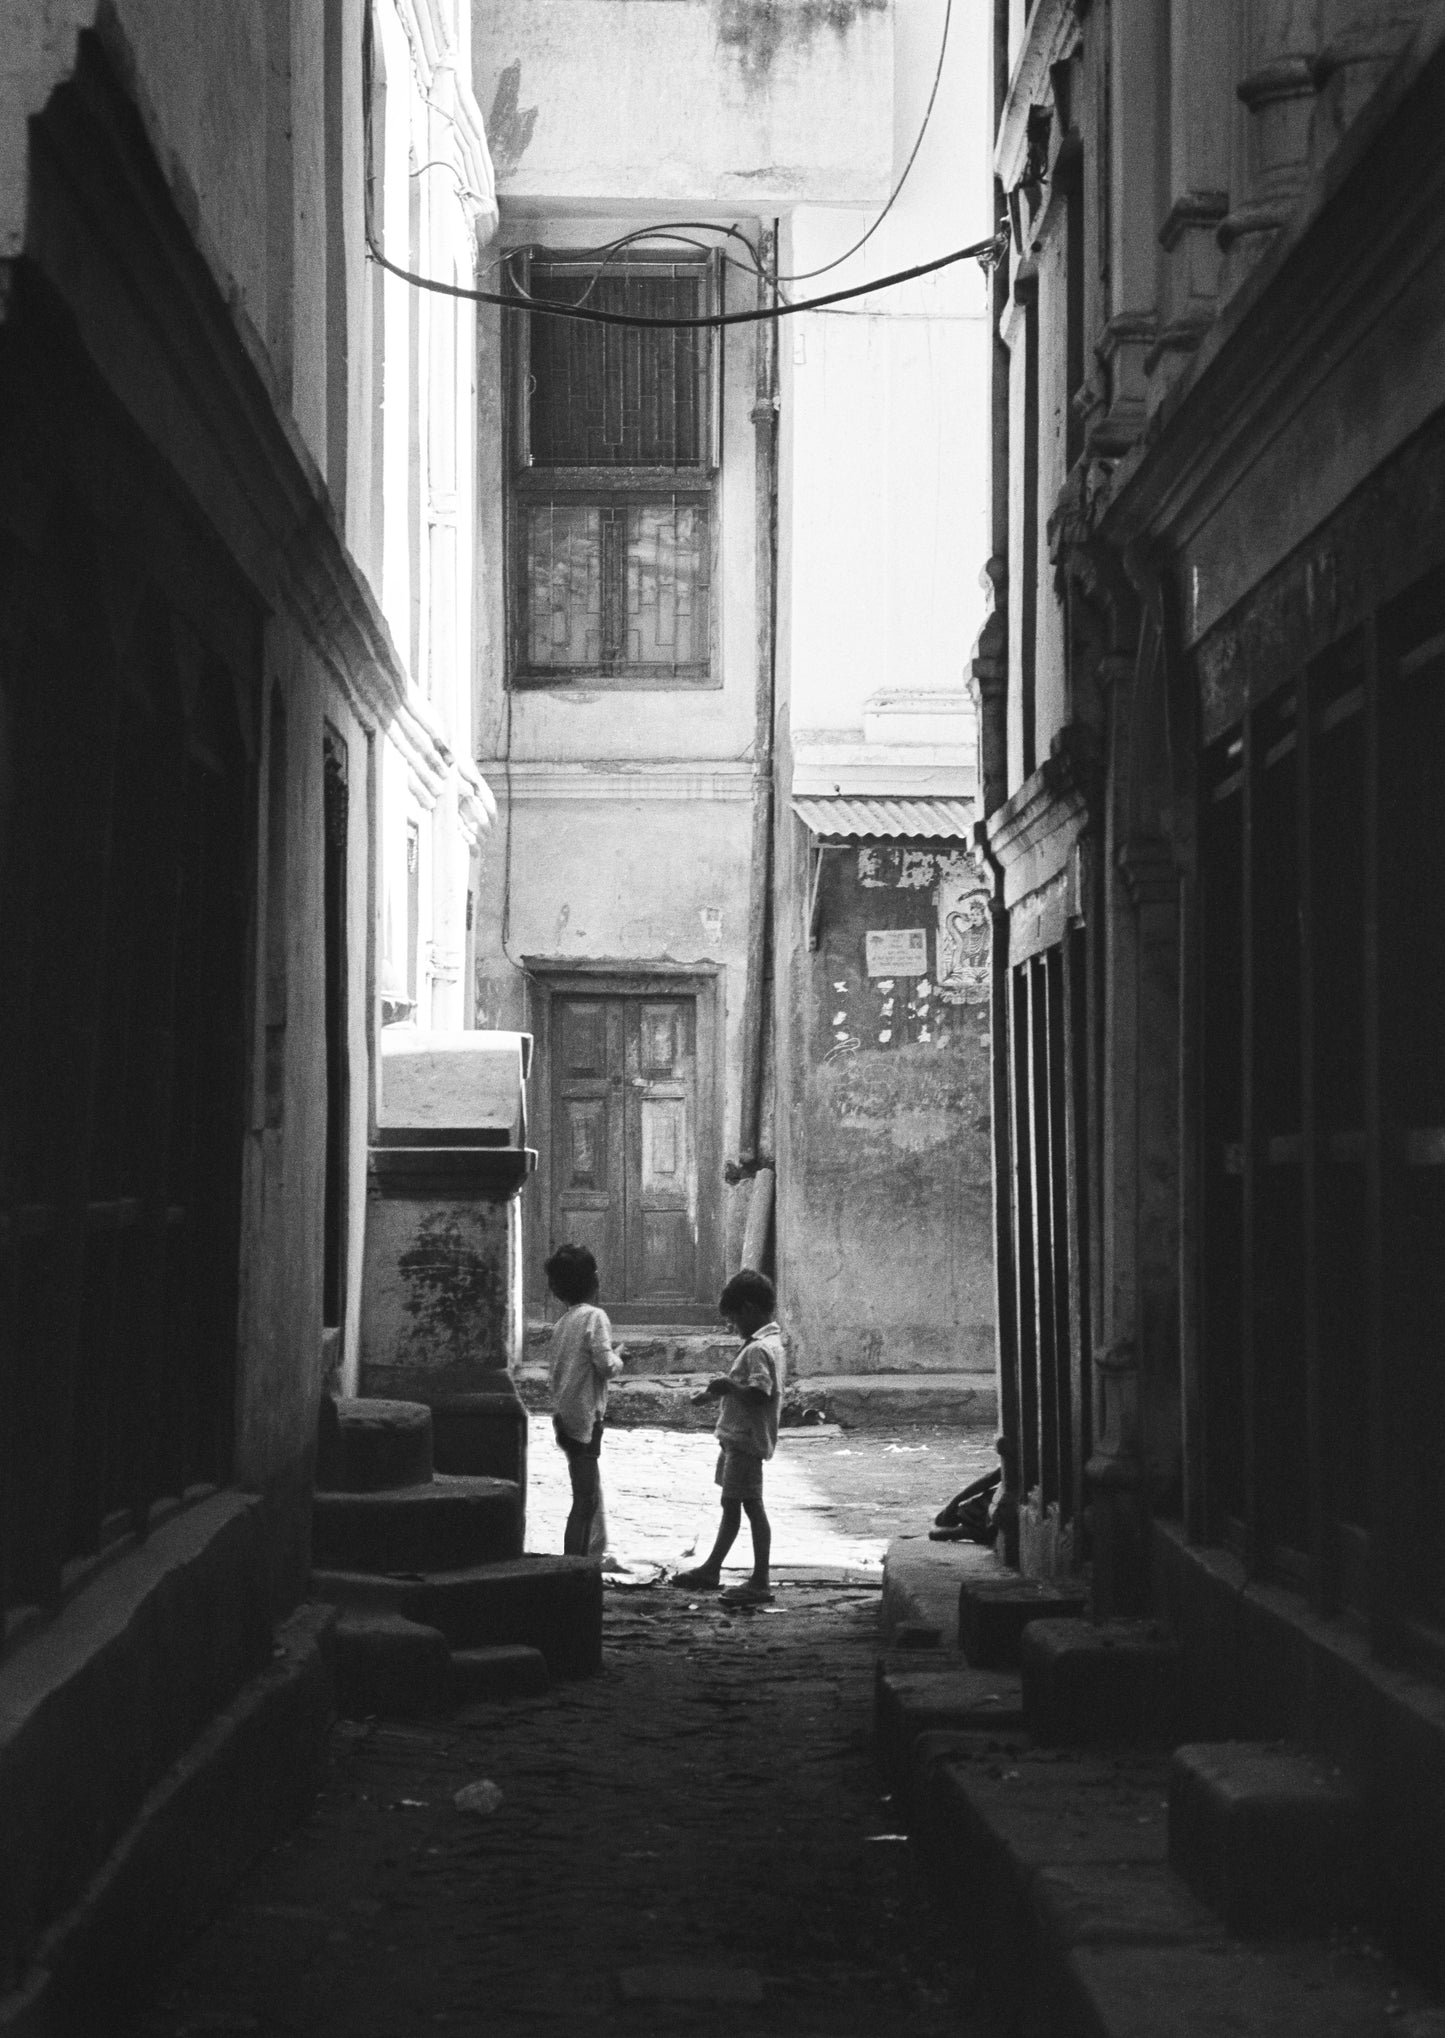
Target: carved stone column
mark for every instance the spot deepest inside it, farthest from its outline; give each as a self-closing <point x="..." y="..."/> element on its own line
<point x="1360" y="40"/>
<point x="1203" y="66"/>
<point x="1278" y="89"/>
<point x="1136" y="205"/>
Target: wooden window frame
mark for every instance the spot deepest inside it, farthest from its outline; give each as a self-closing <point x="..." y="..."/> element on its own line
<point x="609" y="488"/>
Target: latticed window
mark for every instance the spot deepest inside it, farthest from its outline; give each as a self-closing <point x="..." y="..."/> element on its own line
<point x="612" y="495"/>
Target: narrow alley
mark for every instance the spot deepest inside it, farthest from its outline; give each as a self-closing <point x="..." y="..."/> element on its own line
<point x="697" y="1840"/>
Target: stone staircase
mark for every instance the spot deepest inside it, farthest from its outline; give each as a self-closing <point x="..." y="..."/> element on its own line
<point x="664" y="1366"/>
<point x="437" y="1605"/>
<point x="1120" y="1879"/>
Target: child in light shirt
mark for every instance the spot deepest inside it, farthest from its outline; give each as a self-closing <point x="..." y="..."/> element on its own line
<point x="583" y="1362"/>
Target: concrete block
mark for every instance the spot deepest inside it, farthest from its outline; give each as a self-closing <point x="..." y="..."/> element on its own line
<point x="510" y="1671"/>
<point x="921" y="1581"/>
<point x="911" y="1699"/>
<point x="1092" y="1681"/>
<point x="551" y="1603"/>
<point x="1216" y="1990"/>
<point x="447" y="1525"/>
<point x="482" y="1434"/>
<point x="993" y="1612"/>
<point x="386" y="1664"/>
<point x="1270" y="1837"/>
<point x="376" y="1445"/>
<point x="889" y="1400"/>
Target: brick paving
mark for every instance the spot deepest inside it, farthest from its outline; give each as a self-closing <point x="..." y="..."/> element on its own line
<point x="696" y="1841"/>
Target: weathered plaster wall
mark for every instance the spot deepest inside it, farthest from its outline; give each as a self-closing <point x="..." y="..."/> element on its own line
<point x="738" y="103"/>
<point x="885" y="1254"/>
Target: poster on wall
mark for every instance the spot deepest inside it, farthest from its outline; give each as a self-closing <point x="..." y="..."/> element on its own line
<point x="965" y="938"/>
<point x="896" y="951"/>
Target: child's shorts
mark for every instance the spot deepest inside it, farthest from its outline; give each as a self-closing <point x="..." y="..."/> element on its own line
<point x="739" y="1473"/>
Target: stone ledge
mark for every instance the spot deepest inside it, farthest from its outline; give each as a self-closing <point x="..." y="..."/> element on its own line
<point x="921" y="1582"/>
<point x="237" y="1788"/>
<point x="87" y="1727"/>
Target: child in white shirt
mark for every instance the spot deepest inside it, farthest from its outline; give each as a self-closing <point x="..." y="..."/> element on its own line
<point x="583" y="1362"/>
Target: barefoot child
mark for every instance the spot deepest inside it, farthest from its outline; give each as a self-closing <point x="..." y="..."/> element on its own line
<point x="583" y="1361"/>
<point x="751" y="1393"/>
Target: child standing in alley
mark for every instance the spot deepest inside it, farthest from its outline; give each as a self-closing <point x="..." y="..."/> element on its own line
<point x="583" y="1362"/>
<point x="751" y="1393"/>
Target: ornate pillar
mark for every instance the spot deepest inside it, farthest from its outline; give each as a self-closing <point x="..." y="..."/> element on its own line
<point x="1282" y="49"/>
<point x="1203" y="66"/>
<point x="1136" y="206"/>
<point x="1360" y="40"/>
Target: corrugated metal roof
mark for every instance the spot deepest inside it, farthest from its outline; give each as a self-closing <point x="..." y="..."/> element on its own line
<point x="937" y="820"/>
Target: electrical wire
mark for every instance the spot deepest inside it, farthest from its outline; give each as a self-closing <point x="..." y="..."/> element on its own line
<point x="805" y="275"/>
<point x="988" y="253"/>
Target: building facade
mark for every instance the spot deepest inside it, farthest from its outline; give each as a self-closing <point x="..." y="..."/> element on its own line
<point x="240" y="827"/>
<point x="1211" y="696"/>
<point x="721" y="686"/>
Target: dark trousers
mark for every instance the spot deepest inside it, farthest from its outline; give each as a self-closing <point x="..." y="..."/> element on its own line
<point x="584" y="1467"/>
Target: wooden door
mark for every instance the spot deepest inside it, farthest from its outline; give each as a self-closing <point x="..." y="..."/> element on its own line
<point x="624" y="1143"/>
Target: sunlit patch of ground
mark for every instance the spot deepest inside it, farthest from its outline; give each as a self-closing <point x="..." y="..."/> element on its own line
<point x="834" y="1499"/>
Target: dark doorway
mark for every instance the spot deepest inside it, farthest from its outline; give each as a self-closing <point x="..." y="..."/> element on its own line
<point x="335" y="800"/>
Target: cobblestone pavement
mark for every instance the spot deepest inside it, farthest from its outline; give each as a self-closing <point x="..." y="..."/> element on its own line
<point x="693" y="1842"/>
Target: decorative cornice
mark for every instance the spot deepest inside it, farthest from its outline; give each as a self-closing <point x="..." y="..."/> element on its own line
<point x="1335" y="265"/>
<point x="1052" y="33"/>
<point x="1192" y="212"/>
<point x="611" y="779"/>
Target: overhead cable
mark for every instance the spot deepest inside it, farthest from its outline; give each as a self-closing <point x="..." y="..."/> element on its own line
<point x="987" y="253"/>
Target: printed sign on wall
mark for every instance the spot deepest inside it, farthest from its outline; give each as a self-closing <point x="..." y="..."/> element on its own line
<point x="965" y="938"/>
<point x="897" y="951"/>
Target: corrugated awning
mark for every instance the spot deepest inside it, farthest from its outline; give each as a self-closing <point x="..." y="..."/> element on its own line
<point x="845" y="815"/>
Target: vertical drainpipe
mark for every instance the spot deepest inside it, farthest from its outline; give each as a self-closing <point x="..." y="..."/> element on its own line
<point x="760" y="888"/>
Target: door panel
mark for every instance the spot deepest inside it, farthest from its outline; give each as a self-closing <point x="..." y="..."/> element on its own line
<point x="587" y="1156"/>
<point x="662" y="1151"/>
<point x="624" y="1143"/>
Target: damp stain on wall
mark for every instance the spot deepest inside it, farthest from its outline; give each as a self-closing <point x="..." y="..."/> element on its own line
<point x="449" y="1290"/>
<point x="757" y="32"/>
<point x="509" y="124"/>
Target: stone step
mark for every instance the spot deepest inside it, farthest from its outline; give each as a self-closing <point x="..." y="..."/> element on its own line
<point x="663" y="1399"/>
<point x="511" y="1670"/>
<point x="553" y="1604"/>
<point x="649" y="1350"/>
<point x="444" y="1526"/>
<point x="1087" y="1682"/>
<point x="1081" y="1929"/>
<point x="383" y="1663"/>
<point x="1270" y="1837"/>
<point x="921" y="1691"/>
<point x="993" y="1613"/>
<point x="366" y="1445"/>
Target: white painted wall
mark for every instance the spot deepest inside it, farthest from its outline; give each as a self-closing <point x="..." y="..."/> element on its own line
<point x="885" y="408"/>
<point x="745" y="104"/>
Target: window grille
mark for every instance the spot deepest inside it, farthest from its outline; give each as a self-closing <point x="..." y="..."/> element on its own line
<point x="612" y="486"/>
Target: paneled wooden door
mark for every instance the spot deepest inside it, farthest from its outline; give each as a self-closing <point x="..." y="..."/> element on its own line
<point x="624" y="1143"/>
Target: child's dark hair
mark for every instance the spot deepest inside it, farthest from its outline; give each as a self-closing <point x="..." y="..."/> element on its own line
<point x="747" y="1291"/>
<point x="572" y="1273"/>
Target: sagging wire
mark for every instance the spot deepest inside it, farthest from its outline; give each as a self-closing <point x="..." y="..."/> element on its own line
<point x="986" y="253"/>
<point x="805" y="275"/>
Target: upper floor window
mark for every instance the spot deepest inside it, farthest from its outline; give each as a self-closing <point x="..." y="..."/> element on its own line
<point x="612" y="477"/>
